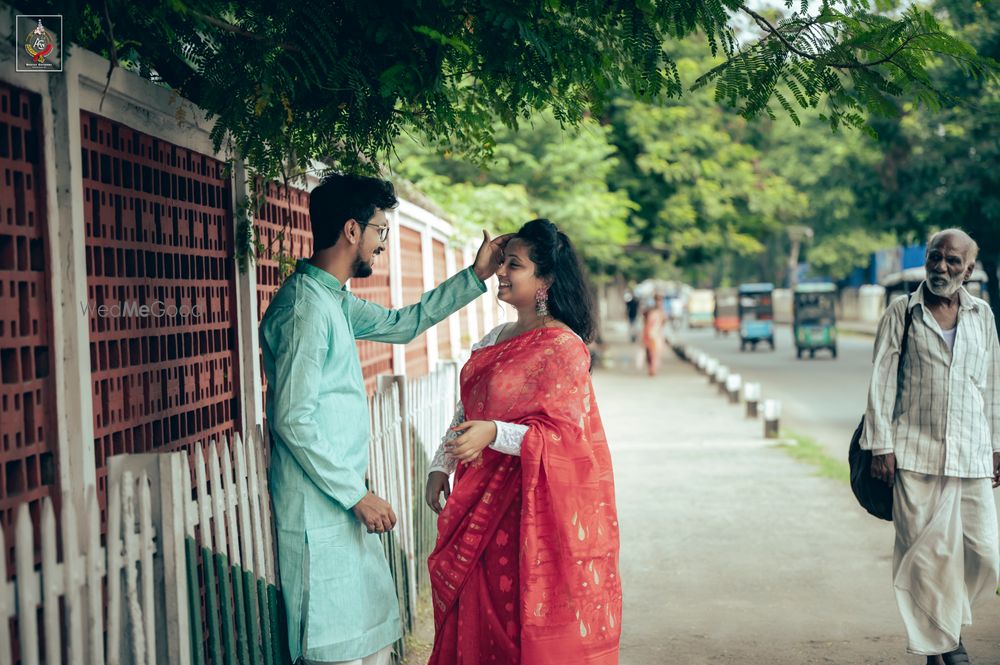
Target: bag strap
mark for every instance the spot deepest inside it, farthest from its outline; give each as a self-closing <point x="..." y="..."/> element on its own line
<point x="903" y="344"/>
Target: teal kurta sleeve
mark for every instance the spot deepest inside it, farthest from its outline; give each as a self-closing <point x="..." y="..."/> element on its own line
<point x="400" y="326"/>
<point x="299" y="339"/>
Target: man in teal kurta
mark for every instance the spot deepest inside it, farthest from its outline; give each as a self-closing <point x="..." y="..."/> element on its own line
<point x="339" y="595"/>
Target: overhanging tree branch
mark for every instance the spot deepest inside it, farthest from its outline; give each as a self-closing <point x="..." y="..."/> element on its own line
<point x="775" y="32"/>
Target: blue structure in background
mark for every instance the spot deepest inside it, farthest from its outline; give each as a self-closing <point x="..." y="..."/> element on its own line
<point x="884" y="263"/>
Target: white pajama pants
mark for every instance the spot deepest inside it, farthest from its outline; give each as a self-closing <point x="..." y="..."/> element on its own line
<point x="381" y="657"/>
<point x="946" y="555"/>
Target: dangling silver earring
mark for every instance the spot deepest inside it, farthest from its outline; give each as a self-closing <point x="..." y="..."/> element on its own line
<point x="542" y="302"/>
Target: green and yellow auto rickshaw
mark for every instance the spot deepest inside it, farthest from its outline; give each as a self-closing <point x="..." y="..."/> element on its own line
<point x="814" y="324"/>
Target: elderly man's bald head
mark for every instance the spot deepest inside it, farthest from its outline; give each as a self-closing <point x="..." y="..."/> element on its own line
<point x="958" y="237"/>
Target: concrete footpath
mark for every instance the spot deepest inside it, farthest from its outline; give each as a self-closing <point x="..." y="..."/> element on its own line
<point x="733" y="552"/>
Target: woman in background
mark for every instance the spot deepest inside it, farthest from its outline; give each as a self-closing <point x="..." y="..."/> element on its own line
<point x="654" y="319"/>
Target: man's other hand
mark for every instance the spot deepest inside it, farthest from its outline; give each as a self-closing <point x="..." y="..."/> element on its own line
<point x="375" y="513"/>
<point x="490" y="255"/>
<point x="884" y="468"/>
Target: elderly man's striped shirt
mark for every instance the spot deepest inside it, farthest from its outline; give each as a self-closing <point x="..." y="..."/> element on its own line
<point x="947" y="420"/>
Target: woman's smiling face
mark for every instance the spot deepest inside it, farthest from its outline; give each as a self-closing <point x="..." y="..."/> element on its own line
<point x="518" y="282"/>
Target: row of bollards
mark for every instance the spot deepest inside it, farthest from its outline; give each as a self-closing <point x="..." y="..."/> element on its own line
<point x="732" y="386"/>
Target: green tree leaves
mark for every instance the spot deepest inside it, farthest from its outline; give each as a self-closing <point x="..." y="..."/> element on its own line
<point x="340" y="80"/>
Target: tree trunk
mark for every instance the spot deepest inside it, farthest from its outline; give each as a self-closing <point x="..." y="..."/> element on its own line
<point x="991" y="260"/>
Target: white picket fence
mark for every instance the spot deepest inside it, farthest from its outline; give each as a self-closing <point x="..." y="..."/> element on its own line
<point x="76" y="634"/>
<point x="430" y="406"/>
<point x="189" y="567"/>
<point x="409" y="418"/>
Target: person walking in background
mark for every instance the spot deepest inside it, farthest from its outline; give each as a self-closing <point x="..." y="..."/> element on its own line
<point x="525" y="570"/>
<point x="654" y="321"/>
<point x="938" y="445"/>
<point x="632" y="311"/>
<point x="339" y="595"/>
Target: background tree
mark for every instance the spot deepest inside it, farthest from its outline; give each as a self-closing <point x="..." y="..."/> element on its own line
<point x="837" y="174"/>
<point x="943" y="169"/>
<point x="339" y="80"/>
<point x="542" y="170"/>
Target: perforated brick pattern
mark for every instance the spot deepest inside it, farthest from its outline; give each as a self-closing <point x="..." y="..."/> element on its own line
<point x="295" y="241"/>
<point x="27" y="399"/>
<point x="159" y="234"/>
<point x="282" y="226"/>
<point x="438" y="250"/>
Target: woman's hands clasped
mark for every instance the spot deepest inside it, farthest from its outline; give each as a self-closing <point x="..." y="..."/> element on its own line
<point x="475" y="436"/>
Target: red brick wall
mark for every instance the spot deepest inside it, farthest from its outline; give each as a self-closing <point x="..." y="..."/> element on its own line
<point x="27" y="399"/>
<point x="268" y="223"/>
<point x="376" y="357"/>
<point x="413" y="286"/>
<point x="441" y="274"/>
<point x="159" y="233"/>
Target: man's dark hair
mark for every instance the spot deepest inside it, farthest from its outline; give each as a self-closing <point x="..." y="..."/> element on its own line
<point x="340" y="197"/>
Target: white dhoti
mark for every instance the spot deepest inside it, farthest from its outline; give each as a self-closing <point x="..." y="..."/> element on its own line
<point x="946" y="556"/>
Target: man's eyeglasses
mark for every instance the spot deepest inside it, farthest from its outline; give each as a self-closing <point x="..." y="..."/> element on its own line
<point x="383" y="231"/>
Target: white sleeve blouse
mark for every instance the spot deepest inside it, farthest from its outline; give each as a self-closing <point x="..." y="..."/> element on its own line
<point x="509" y="435"/>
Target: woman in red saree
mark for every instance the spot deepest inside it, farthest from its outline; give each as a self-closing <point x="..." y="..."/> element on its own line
<point x="525" y="570"/>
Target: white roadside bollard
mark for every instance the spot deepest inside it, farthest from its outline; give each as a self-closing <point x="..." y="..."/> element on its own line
<point x="772" y="418"/>
<point x="751" y="393"/>
<point x="733" y="383"/>
<point x="711" y="365"/>
<point x="721" y="375"/>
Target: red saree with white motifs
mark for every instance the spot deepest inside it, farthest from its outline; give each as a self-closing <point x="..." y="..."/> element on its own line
<point x="525" y="570"/>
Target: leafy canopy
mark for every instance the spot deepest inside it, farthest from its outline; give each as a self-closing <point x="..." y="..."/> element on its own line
<point x="338" y="81"/>
<point x="542" y="170"/>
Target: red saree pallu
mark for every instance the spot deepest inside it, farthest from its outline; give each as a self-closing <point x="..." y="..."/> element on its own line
<point x="525" y="570"/>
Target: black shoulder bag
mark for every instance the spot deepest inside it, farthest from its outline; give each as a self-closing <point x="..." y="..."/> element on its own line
<point x="873" y="494"/>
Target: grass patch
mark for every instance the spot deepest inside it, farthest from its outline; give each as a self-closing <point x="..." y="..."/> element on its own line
<point x="420" y="642"/>
<point x="855" y="334"/>
<point x="806" y="450"/>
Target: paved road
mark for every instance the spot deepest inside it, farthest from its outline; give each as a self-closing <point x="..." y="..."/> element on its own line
<point x="821" y="397"/>
<point x="732" y="552"/>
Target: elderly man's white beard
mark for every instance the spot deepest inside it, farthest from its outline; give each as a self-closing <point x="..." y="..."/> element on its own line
<point x="944" y="287"/>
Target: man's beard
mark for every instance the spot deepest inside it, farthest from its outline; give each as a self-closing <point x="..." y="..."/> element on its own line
<point x="361" y="268"/>
<point x="946" y="290"/>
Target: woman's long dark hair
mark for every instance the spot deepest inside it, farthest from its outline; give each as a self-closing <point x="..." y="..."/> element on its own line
<point x="554" y="258"/>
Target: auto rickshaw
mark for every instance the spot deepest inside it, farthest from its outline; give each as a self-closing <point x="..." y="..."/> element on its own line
<point x="756" y="311"/>
<point x="814" y="323"/>
<point x="727" y="312"/>
<point x="700" y="308"/>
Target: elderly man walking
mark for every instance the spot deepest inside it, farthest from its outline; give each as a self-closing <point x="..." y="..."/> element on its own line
<point x="938" y="445"/>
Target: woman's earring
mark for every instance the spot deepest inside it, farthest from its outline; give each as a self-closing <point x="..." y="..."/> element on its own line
<point x="542" y="302"/>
